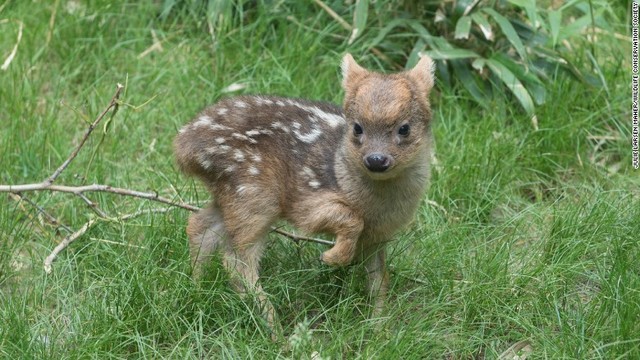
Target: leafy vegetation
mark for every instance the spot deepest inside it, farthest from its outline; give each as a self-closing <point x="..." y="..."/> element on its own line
<point x="529" y="237"/>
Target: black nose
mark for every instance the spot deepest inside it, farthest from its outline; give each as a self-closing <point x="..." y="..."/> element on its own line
<point x="377" y="162"/>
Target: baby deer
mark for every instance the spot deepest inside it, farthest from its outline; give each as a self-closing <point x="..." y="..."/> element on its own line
<point x="358" y="173"/>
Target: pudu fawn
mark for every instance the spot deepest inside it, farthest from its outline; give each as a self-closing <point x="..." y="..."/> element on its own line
<point x="358" y="173"/>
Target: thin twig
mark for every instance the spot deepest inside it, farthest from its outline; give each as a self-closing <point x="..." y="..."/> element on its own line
<point x="48" y="185"/>
<point x="73" y="237"/>
<point x="92" y="205"/>
<point x="295" y="237"/>
<point x="52" y="21"/>
<point x="112" y="105"/>
<point x="50" y="218"/>
<point x="334" y="15"/>
<point x="77" y="190"/>
<point x="12" y="54"/>
<point x="65" y="242"/>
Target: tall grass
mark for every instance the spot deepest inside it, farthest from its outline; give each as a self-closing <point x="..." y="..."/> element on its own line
<point x="534" y="238"/>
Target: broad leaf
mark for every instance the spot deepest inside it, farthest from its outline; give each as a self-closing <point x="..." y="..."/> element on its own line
<point x="509" y="32"/>
<point x="513" y="84"/>
<point x="555" y="19"/>
<point x="359" y="19"/>
<point x="470" y="81"/>
<point x="449" y="54"/>
<point x="463" y="27"/>
<point x="484" y="25"/>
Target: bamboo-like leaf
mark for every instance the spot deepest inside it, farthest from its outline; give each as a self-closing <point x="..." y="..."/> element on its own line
<point x="508" y="31"/>
<point x="555" y="18"/>
<point x="463" y="26"/>
<point x="576" y="27"/>
<point x="513" y="84"/>
<point x="530" y="7"/>
<point x="522" y="3"/>
<point x="484" y="25"/>
<point x="414" y="55"/>
<point x="469" y="81"/>
<point x="531" y="81"/>
<point x="449" y="54"/>
<point x="359" y="19"/>
<point x="414" y="25"/>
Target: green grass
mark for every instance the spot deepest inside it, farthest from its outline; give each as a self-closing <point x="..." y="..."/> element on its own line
<point x="538" y="239"/>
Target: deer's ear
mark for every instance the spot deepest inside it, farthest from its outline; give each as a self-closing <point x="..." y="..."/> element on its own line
<point x="423" y="74"/>
<point x="351" y="72"/>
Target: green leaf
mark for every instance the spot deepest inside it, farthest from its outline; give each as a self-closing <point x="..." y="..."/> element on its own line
<point x="414" y="25"/>
<point x="576" y="27"/>
<point x="509" y="32"/>
<point x="359" y="19"/>
<point x="449" y="54"/>
<point x="463" y="26"/>
<point x="414" y="55"/>
<point x="531" y="81"/>
<point x="513" y="84"/>
<point x="469" y="81"/>
<point x="555" y="18"/>
<point x="484" y="25"/>
<point x="523" y="3"/>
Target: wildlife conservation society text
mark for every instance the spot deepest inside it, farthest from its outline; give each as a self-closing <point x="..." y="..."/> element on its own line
<point x="634" y="83"/>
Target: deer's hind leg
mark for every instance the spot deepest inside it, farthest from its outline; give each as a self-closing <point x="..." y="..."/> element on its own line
<point x="206" y="232"/>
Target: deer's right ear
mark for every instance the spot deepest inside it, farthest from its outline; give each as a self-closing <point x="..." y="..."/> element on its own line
<point x="351" y="71"/>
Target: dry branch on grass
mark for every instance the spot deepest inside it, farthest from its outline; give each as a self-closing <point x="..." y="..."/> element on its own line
<point x="80" y="191"/>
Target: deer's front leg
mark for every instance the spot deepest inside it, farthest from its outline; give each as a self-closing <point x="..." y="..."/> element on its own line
<point x="377" y="276"/>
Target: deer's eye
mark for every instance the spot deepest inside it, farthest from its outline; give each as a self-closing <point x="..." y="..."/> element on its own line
<point x="357" y="129"/>
<point x="404" y="130"/>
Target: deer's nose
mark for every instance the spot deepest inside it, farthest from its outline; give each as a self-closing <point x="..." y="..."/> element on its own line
<point x="377" y="162"/>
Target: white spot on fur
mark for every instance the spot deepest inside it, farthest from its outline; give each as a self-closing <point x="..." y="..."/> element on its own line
<point x="252" y="133"/>
<point x="296" y="125"/>
<point x="279" y="103"/>
<point x="222" y="111"/>
<point x="217" y="149"/>
<point x="240" y="104"/>
<point x="308" y="172"/>
<point x="247" y="189"/>
<point x="263" y="101"/>
<point x="230" y="168"/>
<point x="278" y="125"/>
<point x="204" y="161"/>
<point x="203" y="120"/>
<point x="332" y="119"/>
<point x="256" y="157"/>
<point x="243" y="137"/>
<point x="219" y="127"/>
<point x="308" y="137"/>
<point x="314" y="184"/>
<point x="220" y="140"/>
<point x="253" y="170"/>
<point x="238" y="155"/>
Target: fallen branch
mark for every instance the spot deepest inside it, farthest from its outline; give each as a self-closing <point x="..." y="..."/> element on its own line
<point x="88" y="225"/>
<point x="79" y="191"/>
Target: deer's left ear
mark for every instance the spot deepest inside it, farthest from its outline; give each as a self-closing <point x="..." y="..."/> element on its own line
<point x="351" y="71"/>
<point x="423" y="74"/>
